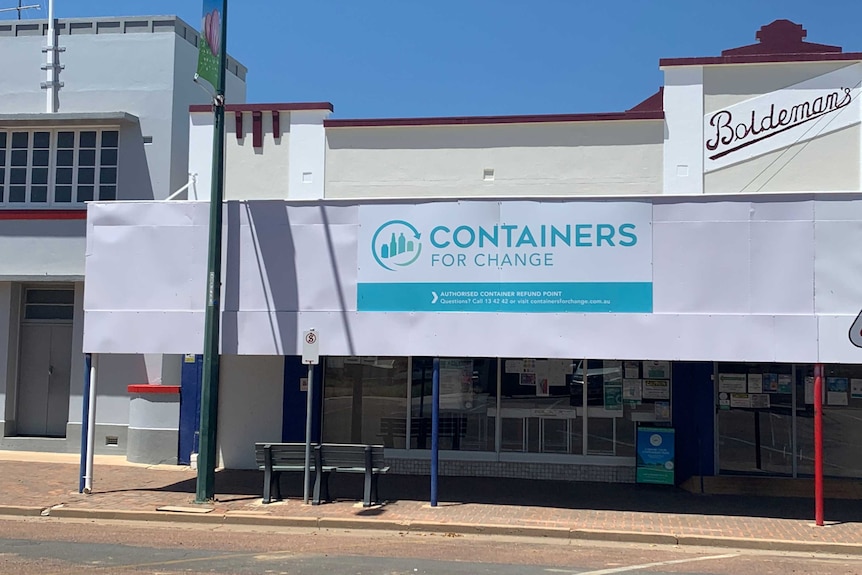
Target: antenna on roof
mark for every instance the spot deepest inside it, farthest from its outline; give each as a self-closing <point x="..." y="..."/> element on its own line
<point x="20" y="8"/>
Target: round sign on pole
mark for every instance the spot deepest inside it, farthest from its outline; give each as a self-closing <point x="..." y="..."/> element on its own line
<point x="310" y="347"/>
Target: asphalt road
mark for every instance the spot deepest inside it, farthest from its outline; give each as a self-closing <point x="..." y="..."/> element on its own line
<point x="51" y="546"/>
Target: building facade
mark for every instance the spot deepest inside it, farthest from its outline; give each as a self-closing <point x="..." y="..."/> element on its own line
<point x="676" y="268"/>
<point x="107" y="121"/>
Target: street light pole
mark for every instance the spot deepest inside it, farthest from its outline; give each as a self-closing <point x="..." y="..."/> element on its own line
<point x="209" y="386"/>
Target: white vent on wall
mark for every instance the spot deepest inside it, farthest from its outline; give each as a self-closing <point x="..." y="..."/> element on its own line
<point x="488" y="174"/>
<point x="112" y="440"/>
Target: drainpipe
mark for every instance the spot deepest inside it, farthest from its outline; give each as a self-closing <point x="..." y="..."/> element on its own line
<point x="91" y="427"/>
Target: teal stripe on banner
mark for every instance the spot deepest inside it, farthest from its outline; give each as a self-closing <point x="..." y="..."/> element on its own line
<point x="525" y="297"/>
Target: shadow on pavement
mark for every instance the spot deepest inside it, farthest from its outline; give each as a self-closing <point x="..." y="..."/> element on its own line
<point x="236" y="484"/>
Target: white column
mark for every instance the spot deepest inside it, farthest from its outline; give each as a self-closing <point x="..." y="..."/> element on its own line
<point x="306" y="155"/>
<point x="683" y="144"/>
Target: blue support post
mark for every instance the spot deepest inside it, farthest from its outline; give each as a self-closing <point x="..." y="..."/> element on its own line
<point x="85" y="421"/>
<point x="435" y="427"/>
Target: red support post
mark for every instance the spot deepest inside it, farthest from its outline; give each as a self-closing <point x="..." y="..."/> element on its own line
<point x="818" y="444"/>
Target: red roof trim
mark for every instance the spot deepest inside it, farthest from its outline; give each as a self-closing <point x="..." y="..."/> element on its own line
<point x="153" y="388"/>
<point x="286" y="107"/>
<point x="473" y="120"/>
<point x="76" y="214"/>
<point x="759" y="59"/>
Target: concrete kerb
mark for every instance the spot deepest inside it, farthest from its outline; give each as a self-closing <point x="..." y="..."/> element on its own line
<point x="20" y="510"/>
<point x="239" y="518"/>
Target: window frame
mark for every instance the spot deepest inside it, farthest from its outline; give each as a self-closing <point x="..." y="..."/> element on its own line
<point x="51" y="201"/>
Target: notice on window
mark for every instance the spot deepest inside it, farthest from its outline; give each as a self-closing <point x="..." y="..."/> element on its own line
<point x="656" y="389"/>
<point x="657" y="369"/>
<point x="809" y="390"/>
<point x="662" y="411"/>
<point x="856" y="388"/>
<point x="514" y="366"/>
<point x="755" y="383"/>
<point x="528" y="379"/>
<point x="631" y="370"/>
<point x="542" y="378"/>
<point x="760" y="401"/>
<point x="740" y="400"/>
<point x="785" y="383"/>
<point x="557" y="371"/>
<point x="732" y="383"/>
<point x="836" y="390"/>
<point x="613" y="396"/>
<point x="632" y="389"/>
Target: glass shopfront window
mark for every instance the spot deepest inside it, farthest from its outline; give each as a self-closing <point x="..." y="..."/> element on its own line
<point x="755" y="425"/>
<point x="536" y="412"/>
<point x="361" y="394"/>
<point x="842" y="420"/>
<point x="544" y="405"/>
<point x="468" y="403"/>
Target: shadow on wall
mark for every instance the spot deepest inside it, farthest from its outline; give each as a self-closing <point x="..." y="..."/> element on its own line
<point x="134" y="170"/>
<point x="273" y="248"/>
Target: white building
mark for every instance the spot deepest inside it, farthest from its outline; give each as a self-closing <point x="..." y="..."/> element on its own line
<point x="111" y="126"/>
<point x="679" y="265"/>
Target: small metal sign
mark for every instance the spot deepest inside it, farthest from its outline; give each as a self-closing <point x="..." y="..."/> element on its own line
<point x="856" y="331"/>
<point x="310" y="347"/>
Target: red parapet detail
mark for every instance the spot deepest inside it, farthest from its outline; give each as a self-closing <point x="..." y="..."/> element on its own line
<point x="276" y="125"/>
<point x="257" y="129"/>
<point x="238" y="117"/>
<point x="154" y="388"/>
<point x="76" y="214"/>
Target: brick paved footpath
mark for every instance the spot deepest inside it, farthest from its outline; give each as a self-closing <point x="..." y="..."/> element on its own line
<point x="30" y="483"/>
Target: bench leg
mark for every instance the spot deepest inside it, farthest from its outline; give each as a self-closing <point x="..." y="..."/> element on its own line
<point x="276" y="477"/>
<point x="267" y="485"/>
<point x="375" y="498"/>
<point x="321" y="488"/>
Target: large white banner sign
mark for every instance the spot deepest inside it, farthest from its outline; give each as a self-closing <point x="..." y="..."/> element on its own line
<point x="782" y="118"/>
<point x="518" y="256"/>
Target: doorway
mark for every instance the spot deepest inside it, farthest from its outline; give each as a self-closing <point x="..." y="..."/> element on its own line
<point x="45" y="362"/>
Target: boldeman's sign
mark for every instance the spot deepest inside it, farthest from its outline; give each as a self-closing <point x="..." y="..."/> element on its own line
<point x="782" y="118"/>
<point x="517" y="256"/>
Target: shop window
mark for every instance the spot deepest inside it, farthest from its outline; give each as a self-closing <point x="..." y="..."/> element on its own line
<point x="468" y="403"/>
<point x="755" y="418"/>
<point x="58" y="168"/>
<point x="536" y="410"/>
<point x="842" y="420"/>
<point x="360" y="396"/>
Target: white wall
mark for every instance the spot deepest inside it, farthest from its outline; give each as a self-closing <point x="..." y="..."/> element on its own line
<point x="258" y="173"/>
<point x="251" y="394"/>
<point x="734" y="279"/>
<point x="575" y="158"/>
<point x="34" y="249"/>
<point x="726" y="85"/>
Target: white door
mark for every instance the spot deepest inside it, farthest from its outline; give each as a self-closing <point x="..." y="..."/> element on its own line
<point x="43" y="385"/>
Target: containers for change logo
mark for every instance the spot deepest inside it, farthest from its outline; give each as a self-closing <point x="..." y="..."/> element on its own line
<point x="396" y="245"/>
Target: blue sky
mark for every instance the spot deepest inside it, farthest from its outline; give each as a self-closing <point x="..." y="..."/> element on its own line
<point x="394" y="58"/>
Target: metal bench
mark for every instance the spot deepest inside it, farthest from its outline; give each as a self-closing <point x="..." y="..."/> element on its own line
<point x="351" y="458"/>
<point x="273" y="458"/>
